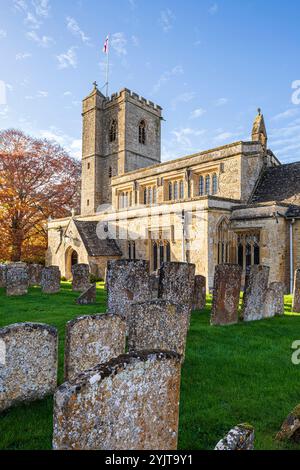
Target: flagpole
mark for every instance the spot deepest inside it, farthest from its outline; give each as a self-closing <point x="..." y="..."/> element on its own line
<point x="107" y="65"/>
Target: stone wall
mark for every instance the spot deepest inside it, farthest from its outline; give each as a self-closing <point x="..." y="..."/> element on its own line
<point x="129" y="403"/>
<point x="30" y="369"/>
<point x="92" y="340"/>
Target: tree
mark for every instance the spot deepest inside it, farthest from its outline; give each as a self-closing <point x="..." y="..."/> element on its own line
<point x="38" y="179"/>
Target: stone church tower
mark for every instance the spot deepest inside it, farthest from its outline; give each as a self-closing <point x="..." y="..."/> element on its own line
<point x="120" y="134"/>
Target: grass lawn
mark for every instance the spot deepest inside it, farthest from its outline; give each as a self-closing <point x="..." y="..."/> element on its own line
<point x="234" y="374"/>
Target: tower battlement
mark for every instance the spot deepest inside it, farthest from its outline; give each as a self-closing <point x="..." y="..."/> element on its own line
<point x="125" y="93"/>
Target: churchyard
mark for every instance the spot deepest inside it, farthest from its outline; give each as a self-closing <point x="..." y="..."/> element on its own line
<point x="238" y="373"/>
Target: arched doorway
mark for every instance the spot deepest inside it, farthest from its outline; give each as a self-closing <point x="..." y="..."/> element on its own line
<point x="71" y="259"/>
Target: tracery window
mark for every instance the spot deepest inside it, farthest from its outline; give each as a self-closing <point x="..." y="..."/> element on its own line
<point x="248" y="248"/>
<point x="142" y="132"/>
<point x="224" y="242"/>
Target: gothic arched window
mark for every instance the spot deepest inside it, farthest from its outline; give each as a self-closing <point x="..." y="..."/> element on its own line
<point x="224" y="241"/>
<point x="201" y="186"/>
<point x="142" y="132"/>
<point x="214" y="184"/>
<point x="113" y="131"/>
<point x="207" y="184"/>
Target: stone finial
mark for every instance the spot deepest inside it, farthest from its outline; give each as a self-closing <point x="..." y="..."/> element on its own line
<point x="259" y="132"/>
<point x="95" y="85"/>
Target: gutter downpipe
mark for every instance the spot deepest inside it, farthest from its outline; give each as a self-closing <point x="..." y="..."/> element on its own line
<point x="291" y="257"/>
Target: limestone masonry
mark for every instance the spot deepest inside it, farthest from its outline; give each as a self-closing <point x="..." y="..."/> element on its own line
<point x="232" y="204"/>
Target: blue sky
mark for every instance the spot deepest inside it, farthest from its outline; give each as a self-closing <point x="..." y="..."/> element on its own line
<point x="209" y="64"/>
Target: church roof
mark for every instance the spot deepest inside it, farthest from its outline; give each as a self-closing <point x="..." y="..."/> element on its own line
<point x="96" y="246"/>
<point x="280" y="184"/>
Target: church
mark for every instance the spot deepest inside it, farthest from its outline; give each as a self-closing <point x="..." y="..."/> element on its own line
<point x="232" y="204"/>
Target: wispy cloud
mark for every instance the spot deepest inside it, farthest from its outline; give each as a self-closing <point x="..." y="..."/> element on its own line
<point x="135" y="40"/>
<point x="75" y="29"/>
<point x="166" y="20"/>
<point x="286" y="114"/>
<point x="183" y="135"/>
<point x="3" y="33"/>
<point x="221" y="102"/>
<point x="166" y="76"/>
<point x="214" y="8"/>
<point x="285" y="141"/>
<point x="31" y="21"/>
<point x="226" y="136"/>
<point x="118" y="42"/>
<point x="23" y="55"/>
<point x="197" y="113"/>
<point x="39" y="94"/>
<point x="71" y="144"/>
<point x="42" y="41"/>
<point x="20" y="5"/>
<point x="182" y="98"/>
<point x="67" y="59"/>
<point x="42" y="7"/>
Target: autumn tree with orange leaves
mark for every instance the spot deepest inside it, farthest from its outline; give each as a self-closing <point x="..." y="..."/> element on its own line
<point x="38" y="179"/>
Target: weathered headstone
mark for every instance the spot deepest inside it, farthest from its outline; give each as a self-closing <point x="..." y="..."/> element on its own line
<point x="274" y="301"/>
<point x="17" y="279"/>
<point x="158" y="324"/>
<point x="290" y="429"/>
<point x="256" y="285"/>
<point x="154" y="281"/>
<point x="81" y="277"/>
<point x="129" y="403"/>
<point x="3" y="271"/>
<point x="199" y="297"/>
<point x="127" y="282"/>
<point x="35" y="274"/>
<point x="226" y="294"/>
<point x="88" y="296"/>
<point x="50" y="281"/>
<point x="92" y="340"/>
<point x="241" y="437"/>
<point x="296" y="292"/>
<point x="176" y="283"/>
<point x="30" y="368"/>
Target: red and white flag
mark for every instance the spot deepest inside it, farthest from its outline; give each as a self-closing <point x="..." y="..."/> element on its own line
<point x="105" y="47"/>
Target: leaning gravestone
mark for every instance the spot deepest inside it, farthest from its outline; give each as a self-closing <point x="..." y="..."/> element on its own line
<point x="274" y="301"/>
<point x="88" y="296"/>
<point x="241" y="437"/>
<point x="158" y="324"/>
<point x="199" y="297"/>
<point x="226" y="294"/>
<point x="256" y="285"/>
<point x="129" y="403"/>
<point x="3" y="271"/>
<point x="176" y="283"/>
<point x="17" y="279"/>
<point x="92" y="340"/>
<point x="296" y="293"/>
<point x="127" y="282"/>
<point x="81" y="277"/>
<point x="30" y="368"/>
<point x="290" y="429"/>
<point x="35" y="274"/>
<point x="50" y="281"/>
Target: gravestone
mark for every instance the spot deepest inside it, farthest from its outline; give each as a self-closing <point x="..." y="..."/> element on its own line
<point x="226" y="294"/>
<point x="158" y="324"/>
<point x="127" y="282"/>
<point x="17" y="279"/>
<point x="50" y="281"/>
<point x="3" y="271"/>
<point x="154" y="281"/>
<point x="199" y="297"/>
<point x="35" y="274"/>
<point x="92" y="340"/>
<point x="296" y="292"/>
<point x="274" y="301"/>
<point x="129" y="403"/>
<point x="88" y="296"/>
<point x="241" y="437"/>
<point x="256" y="286"/>
<point x="30" y="368"/>
<point x="290" y="429"/>
<point x="81" y="277"/>
<point x="176" y="283"/>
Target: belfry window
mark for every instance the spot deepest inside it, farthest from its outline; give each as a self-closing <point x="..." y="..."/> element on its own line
<point x="142" y="132"/>
<point x="113" y="131"/>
